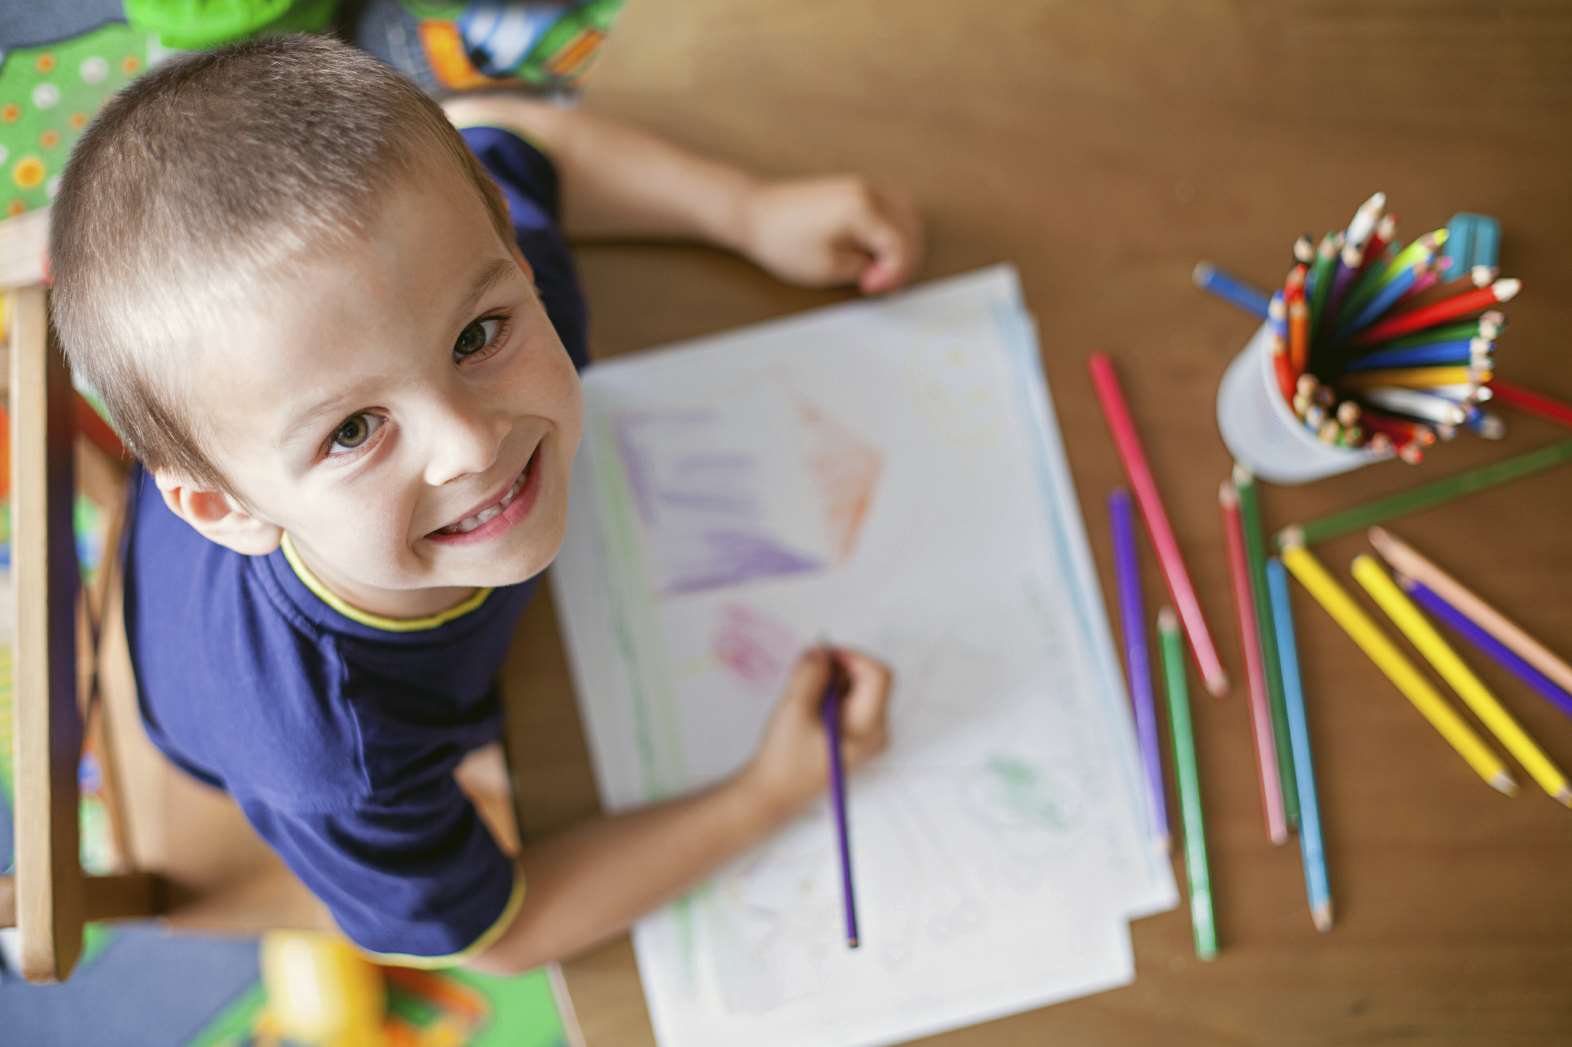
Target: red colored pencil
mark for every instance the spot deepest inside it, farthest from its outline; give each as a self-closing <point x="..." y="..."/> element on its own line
<point x="1430" y="315"/>
<point x="1532" y="402"/>
<point x="1436" y="291"/>
<point x="1255" y="672"/>
<point x="1128" y="443"/>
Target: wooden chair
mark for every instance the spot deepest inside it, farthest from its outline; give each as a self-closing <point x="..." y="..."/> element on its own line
<point x="184" y="852"/>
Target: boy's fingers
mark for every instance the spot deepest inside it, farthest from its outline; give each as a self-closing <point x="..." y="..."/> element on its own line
<point x="867" y="696"/>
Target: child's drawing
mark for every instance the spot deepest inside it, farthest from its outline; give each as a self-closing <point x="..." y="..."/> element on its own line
<point x="754" y="646"/>
<point x="718" y="512"/>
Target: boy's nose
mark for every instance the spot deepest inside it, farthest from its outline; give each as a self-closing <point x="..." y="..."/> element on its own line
<point x="463" y="443"/>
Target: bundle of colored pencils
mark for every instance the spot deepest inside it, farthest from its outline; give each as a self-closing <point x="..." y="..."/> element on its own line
<point x="1382" y="346"/>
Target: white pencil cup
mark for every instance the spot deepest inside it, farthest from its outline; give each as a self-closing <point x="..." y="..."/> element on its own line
<point x="1263" y="433"/>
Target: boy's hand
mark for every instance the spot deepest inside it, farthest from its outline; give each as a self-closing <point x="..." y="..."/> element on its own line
<point x="792" y="763"/>
<point x="821" y="232"/>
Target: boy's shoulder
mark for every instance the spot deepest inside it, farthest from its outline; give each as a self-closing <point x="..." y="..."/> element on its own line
<point x="250" y="683"/>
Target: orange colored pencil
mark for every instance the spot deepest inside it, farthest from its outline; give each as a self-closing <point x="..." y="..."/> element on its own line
<point x="1430" y="315"/>
<point x="1298" y="337"/>
<point x="1255" y="671"/>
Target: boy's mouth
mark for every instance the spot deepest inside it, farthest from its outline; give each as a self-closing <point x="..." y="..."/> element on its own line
<point x="499" y="514"/>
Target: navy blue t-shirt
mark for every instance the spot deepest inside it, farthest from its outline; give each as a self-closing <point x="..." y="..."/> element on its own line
<point x="335" y="731"/>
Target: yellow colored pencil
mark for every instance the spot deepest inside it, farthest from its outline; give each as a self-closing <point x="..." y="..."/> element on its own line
<point x="1364" y="632"/>
<point x="1456" y="672"/>
<point x="1416" y="377"/>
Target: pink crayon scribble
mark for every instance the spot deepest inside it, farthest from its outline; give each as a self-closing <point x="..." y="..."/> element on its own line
<point x="755" y="646"/>
<point x="847" y="469"/>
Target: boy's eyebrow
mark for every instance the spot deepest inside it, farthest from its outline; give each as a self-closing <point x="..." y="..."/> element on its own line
<point x="485" y="278"/>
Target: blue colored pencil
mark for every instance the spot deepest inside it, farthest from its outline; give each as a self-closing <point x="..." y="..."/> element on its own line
<point x="1460" y="242"/>
<point x="1311" y="850"/>
<point x="1138" y="664"/>
<point x="1382" y="301"/>
<point x="1487" y="241"/>
<point x="832" y="729"/>
<point x="1488" y="645"/>
<point x="1457" y="353"/>
<point x="1229" y="288"/>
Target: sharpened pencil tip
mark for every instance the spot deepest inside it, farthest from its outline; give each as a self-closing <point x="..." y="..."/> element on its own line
<point x="1503" y="781"/>
<point x="1243" y="477"/>
<point x="1202" y="273"/>
<point x="1291" y="537"/>
<point x="1278" y="835"/>
<point x="1564" y="794"/>
<point x="1322" y="915"/>
<point x="1218" y="685"/>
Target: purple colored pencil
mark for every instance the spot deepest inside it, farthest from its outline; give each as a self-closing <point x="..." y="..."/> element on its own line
<point x="1137" y="660"/>
<point x="1341" y="281"/>
<point x="1475" y="634"/>
<point x="832" y="727"/>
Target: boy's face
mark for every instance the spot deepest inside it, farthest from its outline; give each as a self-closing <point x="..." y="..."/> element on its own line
<point x="404" y="411"/>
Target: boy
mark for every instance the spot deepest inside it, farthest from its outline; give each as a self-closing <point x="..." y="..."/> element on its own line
<point x="346" y="359"/>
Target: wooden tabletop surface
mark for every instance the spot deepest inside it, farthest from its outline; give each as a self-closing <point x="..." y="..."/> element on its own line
<point x="1104" y="149"/>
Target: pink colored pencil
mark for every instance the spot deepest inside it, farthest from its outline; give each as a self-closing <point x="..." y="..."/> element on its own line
<point x="1128" y="444"/>
<point x="1255" y="671"/>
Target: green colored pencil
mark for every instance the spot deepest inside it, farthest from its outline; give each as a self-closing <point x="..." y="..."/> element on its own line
<point x="1321" y="279"/>
<point x="1201" y="919"/>
<point x="1255" y="557"/>
<point x="1362" y="516"/>
<point x="1451" y="333"/>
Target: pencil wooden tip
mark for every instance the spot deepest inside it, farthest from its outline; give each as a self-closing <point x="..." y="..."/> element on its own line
<point x="1227" y="494"/>
<point x="1167" y="620"/>
<point x="1322" y="916"/>
<point x="1278" y="835"/>
<point x="1206" y="954"/>
<point x="1202" y="273"/>
<point x="1564" y="794"/>
<point x="1218" y="684"/>
<point x="1243" y="477"/>
<point x="1291" y="538"/>
<point x="1507" y="289"/>
<point x="1503" y="781"/>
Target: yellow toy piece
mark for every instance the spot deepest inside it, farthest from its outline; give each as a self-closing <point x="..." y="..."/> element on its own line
<point x="322" y="991"/>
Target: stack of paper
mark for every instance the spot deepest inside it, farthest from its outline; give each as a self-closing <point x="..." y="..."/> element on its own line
<point x="888" y="474"/>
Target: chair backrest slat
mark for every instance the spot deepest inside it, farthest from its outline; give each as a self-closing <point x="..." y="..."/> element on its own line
<point x="49" y="881"/>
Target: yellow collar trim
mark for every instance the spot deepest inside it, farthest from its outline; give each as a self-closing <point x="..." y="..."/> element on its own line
<point x="487" y="938"/>
<point x="375" y="621"/>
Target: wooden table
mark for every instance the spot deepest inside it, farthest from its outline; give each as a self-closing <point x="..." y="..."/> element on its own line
<point x="1104" y="148"/>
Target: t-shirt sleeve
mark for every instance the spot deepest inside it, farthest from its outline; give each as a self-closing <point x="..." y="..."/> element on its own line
<point x="414" y="880"/>
<point x="528" y="181"/>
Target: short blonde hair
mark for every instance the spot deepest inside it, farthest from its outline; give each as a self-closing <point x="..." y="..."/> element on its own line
<point x="205" y="182"/>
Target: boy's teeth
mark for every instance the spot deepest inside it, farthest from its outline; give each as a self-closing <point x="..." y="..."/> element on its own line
<point x="469" y="523"/>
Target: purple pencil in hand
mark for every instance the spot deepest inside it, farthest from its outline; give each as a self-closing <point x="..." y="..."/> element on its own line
<point x="834" y="692"/>
<point x="1137" y="660"/>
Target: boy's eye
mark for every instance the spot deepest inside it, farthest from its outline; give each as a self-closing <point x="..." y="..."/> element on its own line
<point x="353" y="432"/>
<point x="476" y="337"/>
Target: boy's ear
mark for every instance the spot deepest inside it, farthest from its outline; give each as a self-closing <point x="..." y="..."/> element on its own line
<point x="218" y="517"/>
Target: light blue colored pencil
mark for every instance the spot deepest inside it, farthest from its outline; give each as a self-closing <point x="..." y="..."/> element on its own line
<point x="1311" y="850"/>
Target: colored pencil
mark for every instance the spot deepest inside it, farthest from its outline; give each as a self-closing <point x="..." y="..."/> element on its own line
<point x="1429" y="495"/>
<point x="1486" y="325"/>
<point x="1412" y="624"/>
<point x="1255" y="676"/>
<point x="1404" y="558"/>
<point x="1249" y="494"/>
<point x="1428" y="316"/>
<point x="831" y="712"/>
<point x="1477" y="277"/>
<point x="1391" y="661"/>
<point x="1138" y="664"/>
<point x="1202" y="923"/>
<point x="1229" y="288"/>
<point x="1312" y="851"/>
<point x="1422" y="248"/>
<point x="1440" y="354"/>
<point x="1319" y="281"/>
<point x="1416" y="377"/>
<point x="1428" y="406"/>
<point x="1486" y="644"/>
<point x="1298" y="337"/>
<point x="1128" y="443"/>
<point x="1532" y="402"/>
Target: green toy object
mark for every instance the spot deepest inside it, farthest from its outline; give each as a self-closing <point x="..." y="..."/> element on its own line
<point x="193" y="25"/>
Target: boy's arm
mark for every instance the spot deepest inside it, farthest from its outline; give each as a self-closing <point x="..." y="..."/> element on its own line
<point x="591" y="882"/>
<point x="619" y="182"/>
